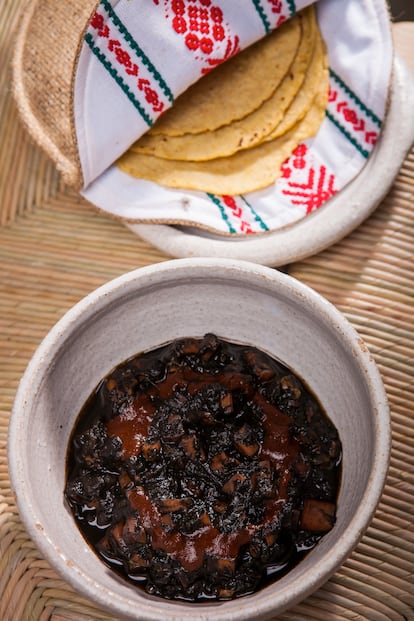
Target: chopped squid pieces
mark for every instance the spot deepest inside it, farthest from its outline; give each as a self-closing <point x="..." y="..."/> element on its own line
<point x="246" y="153"/>
<point x="235" y="473"/>
<point x="318" y="516"/>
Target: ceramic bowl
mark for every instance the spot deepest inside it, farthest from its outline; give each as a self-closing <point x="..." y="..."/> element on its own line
<point x="238" y="301"/>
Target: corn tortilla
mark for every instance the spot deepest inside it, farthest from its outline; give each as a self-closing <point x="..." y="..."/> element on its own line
<point x="253" y="128"/>
<point x="246" y="171"/>
<point x="266" y="62"/>
<point x="316" y="80"/>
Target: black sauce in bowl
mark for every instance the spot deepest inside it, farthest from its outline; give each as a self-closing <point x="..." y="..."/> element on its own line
<point x="203" y="469"/>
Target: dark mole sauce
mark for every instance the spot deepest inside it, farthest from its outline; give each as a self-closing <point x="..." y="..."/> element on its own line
<point x="203" y="470"/>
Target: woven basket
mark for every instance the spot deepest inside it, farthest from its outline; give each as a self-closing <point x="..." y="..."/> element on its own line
<point x="44" y="63"/>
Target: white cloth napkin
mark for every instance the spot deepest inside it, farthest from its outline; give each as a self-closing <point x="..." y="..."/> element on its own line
<point x="139" y="55"/>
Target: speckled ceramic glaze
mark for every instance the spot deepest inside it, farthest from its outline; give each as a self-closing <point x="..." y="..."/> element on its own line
<point x="239" y="301"/>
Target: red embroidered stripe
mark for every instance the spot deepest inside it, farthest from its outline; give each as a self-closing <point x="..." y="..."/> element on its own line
<point x="113" y="45"/>
<point x="305" y="181"/>
<point x="238" y="214"/>
<point x="351" y="116"/>
<point x="273" y="13"/>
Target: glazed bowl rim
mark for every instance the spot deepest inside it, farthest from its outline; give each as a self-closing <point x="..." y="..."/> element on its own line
<point x="262" y="603"/>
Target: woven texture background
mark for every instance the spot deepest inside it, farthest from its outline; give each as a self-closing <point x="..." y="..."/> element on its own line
<point x="54" y="249"/>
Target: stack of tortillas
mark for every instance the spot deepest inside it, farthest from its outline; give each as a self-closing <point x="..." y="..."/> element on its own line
<point x="124" y="100"/>
<point x="231" y="132"/>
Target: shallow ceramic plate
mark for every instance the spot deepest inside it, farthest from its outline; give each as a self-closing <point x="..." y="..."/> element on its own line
<point x="341" y="214"/>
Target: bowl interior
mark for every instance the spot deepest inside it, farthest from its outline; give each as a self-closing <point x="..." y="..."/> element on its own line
<point x="148" y="308"/>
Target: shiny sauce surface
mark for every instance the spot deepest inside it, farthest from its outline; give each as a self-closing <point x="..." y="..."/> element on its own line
<point x="203" y="469"/>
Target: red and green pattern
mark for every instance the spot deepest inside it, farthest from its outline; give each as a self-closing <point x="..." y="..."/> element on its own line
<point x="273" y="13"/>
<point x="351" y="116"/>
<point x="113" y="45"/>
<point x="238" y="214"/>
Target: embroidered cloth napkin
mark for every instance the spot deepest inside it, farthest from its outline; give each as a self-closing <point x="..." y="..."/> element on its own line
<point x="106" y="77"/>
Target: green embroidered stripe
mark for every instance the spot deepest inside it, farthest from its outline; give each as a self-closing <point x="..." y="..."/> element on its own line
<point x="292" y="7"/>
<point x="343" y="131"/>
<point x="257" y="218"/>
<point x="225" y="217"/>
<point x="262" y="15"/>
<point x="146" y="61"/>
<point x="352" y="95"/>
<point x="118" y="79"/>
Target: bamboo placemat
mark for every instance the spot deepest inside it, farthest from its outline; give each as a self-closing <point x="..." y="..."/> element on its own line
<point x="54" y="249"/>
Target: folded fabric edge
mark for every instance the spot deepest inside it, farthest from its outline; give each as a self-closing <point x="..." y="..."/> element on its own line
<point x="119" y="54"/>
<point x="67" y="165"/>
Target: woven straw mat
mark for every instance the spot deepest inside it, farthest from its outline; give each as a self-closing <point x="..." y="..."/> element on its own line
<point x="54" y="249"/>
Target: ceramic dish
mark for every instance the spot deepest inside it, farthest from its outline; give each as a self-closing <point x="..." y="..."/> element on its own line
<point x="152" y="306"/>
<point x="360" y="61"/>
<point x="330" y="223"/>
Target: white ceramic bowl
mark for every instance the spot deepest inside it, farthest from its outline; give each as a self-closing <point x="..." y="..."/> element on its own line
<point x="239" y="301"/>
